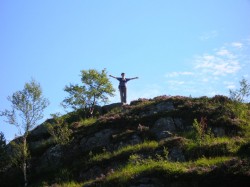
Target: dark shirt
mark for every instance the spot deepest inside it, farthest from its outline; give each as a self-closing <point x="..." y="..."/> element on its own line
<point x="123" y="81"/>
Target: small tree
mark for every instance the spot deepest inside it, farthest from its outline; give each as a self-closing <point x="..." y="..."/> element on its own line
<point x="29" y="105"/>
<point x="239" y="108"/>
<point x="242" y="93"/>
<point x="60" y="131"/>
<point x="95" y="90"/>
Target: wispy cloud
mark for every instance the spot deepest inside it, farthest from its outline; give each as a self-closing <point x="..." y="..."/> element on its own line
<point x="175" y="82"/>
<point x="208" y="35"/>
<point x="177" y="74"/>
<point x="214" y="72"/>
<point x="217" y="64"/>
<point x="229" y="85"/>
<point x="237" y="44"/>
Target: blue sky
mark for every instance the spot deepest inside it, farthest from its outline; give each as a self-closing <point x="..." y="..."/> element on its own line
<point x="175" y="47"/>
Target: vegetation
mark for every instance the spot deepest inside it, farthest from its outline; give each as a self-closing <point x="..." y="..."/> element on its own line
<point x="3" y="154"/>
<point x="29" y="105"/>
<point x="198" y="142"/>
<point x="95" y="89"/>
<point x="60" y="130"/>
<point x="242" y="93"/>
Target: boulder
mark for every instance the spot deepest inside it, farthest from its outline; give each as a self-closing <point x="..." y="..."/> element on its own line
<point x="179" y="124"/>
<point x="164" y="106"/>
<point x="99" y="139"/>
<point x="163" y="128"/>
<point x="219" y="132"/>
<point x="39" y="132"/>
<point x="176" y="154"/>
<point x="52" y="157"/>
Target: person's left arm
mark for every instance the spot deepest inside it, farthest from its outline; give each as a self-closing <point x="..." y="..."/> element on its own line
<point x="128" y="79"/>
<point x="134" y="78"/>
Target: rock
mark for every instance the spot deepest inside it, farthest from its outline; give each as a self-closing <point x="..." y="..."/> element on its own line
<point x="165" y="106"/>
<point x="39" y="132"/>
<point x="40" y="143"/>
<point x="142" y="128"/>
<point x="140" y="100"/>
<point x="178" y="123"/>
<point x="219" y="132"/>
<point x="99" y="139"/>
<point x="93" y="172"/>
<point x="176" y="154"/>
<point x="107" y="108"/>
<point x="155" y="109"/>
<point x="52" y="156"/>
<point x="135" y="140"/>
<point x="163" y="128"/>
<point x="147" y="182"/>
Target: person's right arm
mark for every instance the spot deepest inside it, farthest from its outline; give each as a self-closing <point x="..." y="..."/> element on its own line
<point x="113" y="76"/>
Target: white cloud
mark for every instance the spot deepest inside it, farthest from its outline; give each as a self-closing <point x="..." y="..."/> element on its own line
<point x="175" y="82"/>
<point x="176" y="74"/>
<point x="223" y="62"/>
<point x="223" y="52"/>
<point x="208" y="35"/>
<point x="229" y="85"/>
<point x="237" y="44"/>
<point x="212" y="73"/>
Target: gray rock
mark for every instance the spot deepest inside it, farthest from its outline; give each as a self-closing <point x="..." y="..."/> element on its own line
<point x="99" y="139"/>
<point x="40" y="143"/>
<point x="179" y="123"/>
<point x="135" y="140"/>
<point x="39" y="131"/>
<point x="52" y="156"/>
<point x="160" y="107"/>
<point x="176" y="154"/>
<point x="163" y="128"/>
<point x="219" y="132"/>
<point x="165" y="106"/>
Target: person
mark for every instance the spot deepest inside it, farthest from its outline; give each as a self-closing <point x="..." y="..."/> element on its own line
<point x="122" y="86"/>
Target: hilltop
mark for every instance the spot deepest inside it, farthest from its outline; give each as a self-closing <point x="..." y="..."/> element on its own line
<point x="165" y="141"/>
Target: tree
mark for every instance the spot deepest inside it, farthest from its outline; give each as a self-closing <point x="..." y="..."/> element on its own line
<point x="27" y="108"/>
<point x="95" y="90"/>
<point x="242" y="93"/>
<point x="2" y="151"/>
<point x="2" y="142"/>
<point x="239" y="108"/>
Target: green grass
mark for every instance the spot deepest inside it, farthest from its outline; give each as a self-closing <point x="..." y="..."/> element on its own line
<point x="87" y="122"/>
<point x="223" y="146"/>
<point x="165" y="168"/>
<point x="130" y="171"/>
<point x="64" y="184"/>
<point x="208" y="162"/>
<point x="147" y="145"/>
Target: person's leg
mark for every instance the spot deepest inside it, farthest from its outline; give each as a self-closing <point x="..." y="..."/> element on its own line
<point x="121" y="94"/>
<point x="125" y="95"/>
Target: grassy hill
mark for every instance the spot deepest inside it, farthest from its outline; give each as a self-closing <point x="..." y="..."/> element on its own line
<point x="164" y="141"/>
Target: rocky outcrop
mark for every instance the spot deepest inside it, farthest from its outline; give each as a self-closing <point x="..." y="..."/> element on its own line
<point x="147" y="129"/>
<point x="163" y="128"/>
<point x="99" y="139"/>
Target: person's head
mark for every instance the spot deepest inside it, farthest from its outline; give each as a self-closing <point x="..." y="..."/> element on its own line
<point x="123" y="74"/>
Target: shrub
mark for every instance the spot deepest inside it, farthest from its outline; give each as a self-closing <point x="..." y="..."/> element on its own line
<point x="60" y="131"/>
<point x="201" y="131"/>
